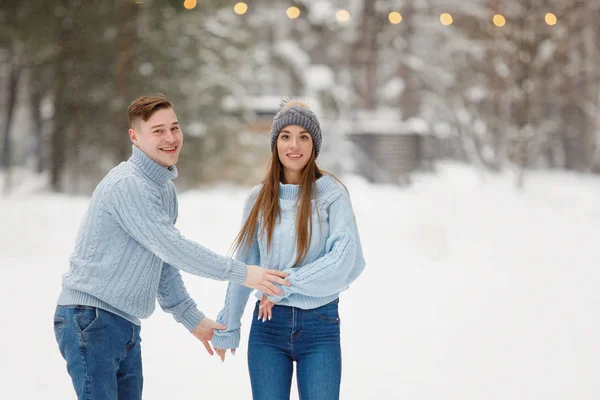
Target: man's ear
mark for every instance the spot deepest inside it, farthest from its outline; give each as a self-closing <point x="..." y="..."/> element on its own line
<point x="132" y="135"/>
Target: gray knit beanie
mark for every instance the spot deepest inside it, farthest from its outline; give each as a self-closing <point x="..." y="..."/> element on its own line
<point x="296" y="112"/>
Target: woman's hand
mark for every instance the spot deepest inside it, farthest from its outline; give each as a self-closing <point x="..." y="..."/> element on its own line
<point x="222" y="352"/>
<point x="265" y="307"/>
<point x="205" y="330"/>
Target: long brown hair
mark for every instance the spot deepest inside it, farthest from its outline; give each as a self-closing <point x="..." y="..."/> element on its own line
<point x="267" y="206"/>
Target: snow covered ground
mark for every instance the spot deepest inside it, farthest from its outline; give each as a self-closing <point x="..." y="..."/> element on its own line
<point x="472" y="291"/>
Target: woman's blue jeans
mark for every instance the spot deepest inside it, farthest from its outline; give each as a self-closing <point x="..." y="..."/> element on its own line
<point x="102" y="351"/>
<point x="311" y="338"/>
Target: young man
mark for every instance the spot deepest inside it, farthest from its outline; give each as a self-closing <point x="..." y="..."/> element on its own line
<point x="128" y="253"/>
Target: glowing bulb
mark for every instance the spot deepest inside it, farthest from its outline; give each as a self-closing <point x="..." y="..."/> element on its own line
<point x="446" y="19"/>
<point x="189" y="4"/>
<point x="395" y="17"/>
<point x="343" y="15"/>
<point x="240" y="8"/>
<point x="499" y="20"/>
<point x="551" y="19"/>
<point x="293" y="12"/>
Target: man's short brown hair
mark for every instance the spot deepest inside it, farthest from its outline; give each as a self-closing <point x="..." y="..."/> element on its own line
<point x="143" y="107"/>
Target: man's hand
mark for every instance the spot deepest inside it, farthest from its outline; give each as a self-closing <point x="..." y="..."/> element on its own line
<point x="262" y="279"/>
<point x="205" y="330"/>
<point x="222" y="352"/>
<point x="265" y="307"/>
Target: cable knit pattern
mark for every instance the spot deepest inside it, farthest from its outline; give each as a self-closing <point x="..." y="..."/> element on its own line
<point x="128" y="252"/>
<point x="333" y="262"/>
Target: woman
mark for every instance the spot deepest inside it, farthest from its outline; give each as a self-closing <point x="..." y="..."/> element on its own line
<point x="299" y="220"/>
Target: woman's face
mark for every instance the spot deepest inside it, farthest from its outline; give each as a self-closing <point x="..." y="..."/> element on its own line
<point x="294" y="148"/>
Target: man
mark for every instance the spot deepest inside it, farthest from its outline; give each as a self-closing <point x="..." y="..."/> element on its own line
<point x="127" y="254"/>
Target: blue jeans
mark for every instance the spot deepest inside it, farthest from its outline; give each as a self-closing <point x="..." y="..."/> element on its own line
<point x="311" y="338"/>
<point x="102" y="351"/>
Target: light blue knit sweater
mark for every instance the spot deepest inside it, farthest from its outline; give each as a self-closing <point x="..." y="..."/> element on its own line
<point x="128" y="251"/>
<point x="334" y="259"/>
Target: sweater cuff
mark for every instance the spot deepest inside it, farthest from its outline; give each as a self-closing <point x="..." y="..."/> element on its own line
<point x="191" y="318"/>
<point x="286" y="292"/>
<point x="238" y="272"/>
<point x="226" y="340"/>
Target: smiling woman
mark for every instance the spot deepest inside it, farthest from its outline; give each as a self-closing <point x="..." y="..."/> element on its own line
<point x="299" y="220"/>
<point x="295" y="150"/>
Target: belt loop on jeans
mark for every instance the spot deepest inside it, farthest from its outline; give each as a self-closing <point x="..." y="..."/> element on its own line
<point x="82" y="307"/>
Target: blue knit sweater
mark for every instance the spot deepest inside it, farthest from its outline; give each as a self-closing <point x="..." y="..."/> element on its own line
<point x="334" y="259"/>
<point x="128" y="252"/>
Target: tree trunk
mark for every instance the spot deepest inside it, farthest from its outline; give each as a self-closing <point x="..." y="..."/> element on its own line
<point x="588" y="141"/>
<point x="127" y="37"/>
<point x="11" y="104"/>
<point x="35" y="103"/>
<point x="410" y="103"/>
<point x="366" y="55"/>
<point x="63" y="108"/>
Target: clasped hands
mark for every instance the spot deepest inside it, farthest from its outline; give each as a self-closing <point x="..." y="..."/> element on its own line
<point x="205" y="330"/>
<point x="257" y="278"/>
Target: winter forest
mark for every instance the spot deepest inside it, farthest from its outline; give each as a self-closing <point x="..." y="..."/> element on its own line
<point x="466" y="131"/>
<point x="499" y="84"/>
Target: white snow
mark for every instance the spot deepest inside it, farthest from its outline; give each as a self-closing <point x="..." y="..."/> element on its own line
<point x="266" y="103"/>
<point x="384" y="121"/>
<point x="321" y="12"/>
<point x="472" y="291"/>
<point x="319" y="77"/>
<point x="257" y="103"/>
<point x="197" y="129"/>
<point x="546" y="51"/>
<point x="442" y="130"/>
<point x="476" y="93"/>
<point x="292" y="52"/>
<point x="392" y="89"/>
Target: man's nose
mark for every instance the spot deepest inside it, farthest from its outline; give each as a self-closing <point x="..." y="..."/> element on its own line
<point x="169" y="136"/>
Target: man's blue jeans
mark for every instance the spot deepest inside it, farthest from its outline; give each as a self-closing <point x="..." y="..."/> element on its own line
<point x="311" y="338"/>
<point x="102" y="351"/>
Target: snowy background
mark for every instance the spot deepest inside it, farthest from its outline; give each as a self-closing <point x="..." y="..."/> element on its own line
<point x="472" y="291"/>
<point x="523" y="95"/>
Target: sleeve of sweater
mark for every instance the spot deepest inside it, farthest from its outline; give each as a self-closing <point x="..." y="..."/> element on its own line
<point x="137" y="207"/>
<point x="341" y="264"/>
<point x="236" y="297"/>
<point x="173" y="296"/>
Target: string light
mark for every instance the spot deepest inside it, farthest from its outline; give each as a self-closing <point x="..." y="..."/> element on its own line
<point x="240" y="8"/>
<point x="499" y="20"/>
<point x="551" y="19"/>
<point x="189" y="4"/>
<point x="395" y="17"/>
<point x="342" y="15"/>
<point x="446" y="19"/>
<point x="293" y="12"/>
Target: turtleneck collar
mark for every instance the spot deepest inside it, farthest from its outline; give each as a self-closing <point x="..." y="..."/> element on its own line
<point x="325" y="185"/>
<point x="151" y="168"/>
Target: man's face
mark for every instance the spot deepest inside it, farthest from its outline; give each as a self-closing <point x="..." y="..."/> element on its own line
<point x="160" y="137"/>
